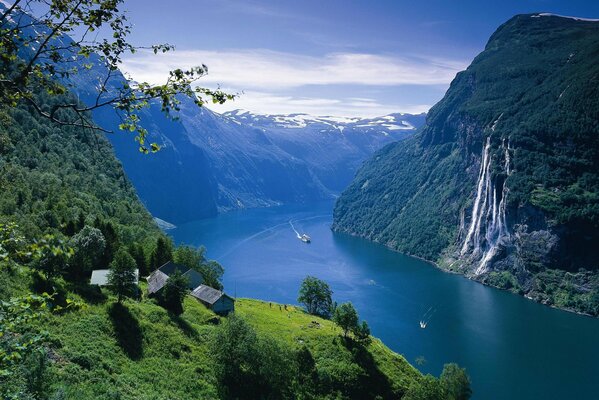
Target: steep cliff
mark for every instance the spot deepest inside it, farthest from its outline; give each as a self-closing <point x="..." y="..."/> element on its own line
<point x="502" y="184"/>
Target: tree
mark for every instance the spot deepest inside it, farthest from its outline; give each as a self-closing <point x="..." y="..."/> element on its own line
<point x="137" y="252"/>
<point x="112" y="240"/>
<point x="248" y="366"/>
<point x="212" y="272"/>
<point x="122" y="277"/>
<point x="455" y="382"/>
<point x="89" y="245"/>
<point x="362" y="332"/>
<point x="52" y="255"/>
<point x="162" y="253"/>
<point x="68" y="36"/>
<point x="174" y="292"/>
<point x="427" y="388"/>
<point x="195" y="258"/>
<point x="346" y="317"/>
<point x="316" y="296"/>
<point x="190" y="257"/>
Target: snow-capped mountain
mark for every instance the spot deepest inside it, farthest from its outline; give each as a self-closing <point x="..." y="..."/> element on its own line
<point x="385" y="125"/>
<point x="210" y="162"/>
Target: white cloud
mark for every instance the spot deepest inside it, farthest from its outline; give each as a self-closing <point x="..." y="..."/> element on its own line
<point x="267" y="103"/>
<point x="265" y="69"/>
<point x="275" y="82"/>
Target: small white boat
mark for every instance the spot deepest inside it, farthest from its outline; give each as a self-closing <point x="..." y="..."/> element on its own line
<point x="422" y="324"/>
<point x="305" y="238"/>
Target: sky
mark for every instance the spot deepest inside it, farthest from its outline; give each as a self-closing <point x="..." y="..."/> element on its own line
<point x="325" y="57"/>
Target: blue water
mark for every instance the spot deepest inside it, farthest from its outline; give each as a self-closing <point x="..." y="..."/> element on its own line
<point x="511" y="347"/>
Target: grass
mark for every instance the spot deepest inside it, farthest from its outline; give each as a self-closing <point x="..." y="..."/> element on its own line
<point x="297" y="328"/>
<point x="138" y="350"/>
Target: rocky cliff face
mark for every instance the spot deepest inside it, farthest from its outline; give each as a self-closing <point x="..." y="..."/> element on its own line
<point x="502" y="184"/>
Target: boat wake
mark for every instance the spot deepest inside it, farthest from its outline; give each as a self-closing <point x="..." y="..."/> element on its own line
<point x="295" y="230"/>
<point x="426" y="318"/>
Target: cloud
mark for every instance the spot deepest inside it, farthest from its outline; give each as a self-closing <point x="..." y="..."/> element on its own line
<point x="265" y="69"/>
<point x="268" y="103"/>
<point x="281" y="83"/>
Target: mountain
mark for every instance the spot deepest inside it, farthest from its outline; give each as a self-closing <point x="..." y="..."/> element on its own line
<point x="502" y="183"/>
<point x="333" y="147"/>
<point x="210" y="163"/>
<point x="213" y="163"/>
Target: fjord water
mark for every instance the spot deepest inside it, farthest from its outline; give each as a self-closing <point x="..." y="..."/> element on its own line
<point x="512" y="348"/>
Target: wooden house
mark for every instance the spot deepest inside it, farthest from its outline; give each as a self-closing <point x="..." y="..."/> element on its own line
<point x="217" y="301"/>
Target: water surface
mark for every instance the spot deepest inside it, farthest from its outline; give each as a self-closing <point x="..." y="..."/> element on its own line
<point x="512" y="348"/>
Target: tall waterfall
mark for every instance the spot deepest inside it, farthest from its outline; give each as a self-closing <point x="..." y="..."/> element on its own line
<point x="488" y="222"/>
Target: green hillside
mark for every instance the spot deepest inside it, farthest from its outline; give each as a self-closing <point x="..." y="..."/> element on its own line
<point x="62" y="188"/>
<point x="519" y="130"/>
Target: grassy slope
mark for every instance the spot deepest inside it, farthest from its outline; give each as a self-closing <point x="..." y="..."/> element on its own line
<point x="139" y="351"/>
<point x="295" y="327"/>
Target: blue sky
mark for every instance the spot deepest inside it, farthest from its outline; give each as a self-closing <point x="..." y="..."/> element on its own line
<point x="326" y="57"/>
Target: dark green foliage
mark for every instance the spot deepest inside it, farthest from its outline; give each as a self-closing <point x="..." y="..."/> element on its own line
<point x="162" y="253"/>
<point x="139" y="255"/>
<point x="22" y="361"/>
<point x="173" y="293"/>
<point x="428" y="388"/>
<point x="534" y="89"/>
<point x="307" y="374"/>
<point x="346" y="317"/>
<point x="316" y="296"/>
<point x="111" y="239"/>
<point x="122" y="277"/>
<point x="195" y="258"/>
<point x="53" y="257"/>
<point x="362" y="332"/>
<point x="455" y="382"/>
<point x="53" y="174"/>
<point x="249" y="366"/>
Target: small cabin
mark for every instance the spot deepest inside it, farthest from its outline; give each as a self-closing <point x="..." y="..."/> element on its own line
<point x="217" y="301"/>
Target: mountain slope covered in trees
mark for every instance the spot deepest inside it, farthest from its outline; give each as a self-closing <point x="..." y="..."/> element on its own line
<point x="502" y="183"/>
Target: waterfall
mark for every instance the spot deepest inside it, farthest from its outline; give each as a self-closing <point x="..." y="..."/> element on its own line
<point x="488" y="223"/>
<point x="481" y="186"/>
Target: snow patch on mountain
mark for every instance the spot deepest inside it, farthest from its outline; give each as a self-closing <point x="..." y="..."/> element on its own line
<point x="384" y="124"/>
<point x="564" y="16"/>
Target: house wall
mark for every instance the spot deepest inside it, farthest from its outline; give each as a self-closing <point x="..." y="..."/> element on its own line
<point x="223" y="305"/>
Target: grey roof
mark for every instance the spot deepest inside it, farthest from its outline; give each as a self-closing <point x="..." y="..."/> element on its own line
<point x="100" y="277"/>
<point x="207" y="294"/>
<point x="156" y="281"/>
<point x="170" y="267"/>
<point x="194" y="277"/>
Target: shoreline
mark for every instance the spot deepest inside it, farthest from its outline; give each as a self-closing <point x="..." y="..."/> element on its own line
<point x="437" y="266"/>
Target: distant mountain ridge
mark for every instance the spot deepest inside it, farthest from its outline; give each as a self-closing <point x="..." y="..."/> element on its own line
<point x="383" y="124"/>
<point x="211" y="163"/>
<point x="502" y="183"/>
